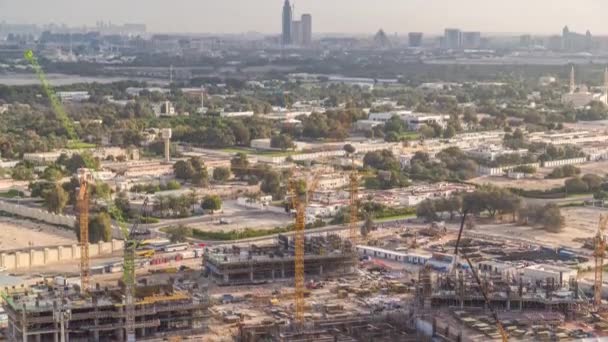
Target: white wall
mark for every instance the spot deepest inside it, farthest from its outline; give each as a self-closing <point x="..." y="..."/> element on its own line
<point x="38" y="214"/>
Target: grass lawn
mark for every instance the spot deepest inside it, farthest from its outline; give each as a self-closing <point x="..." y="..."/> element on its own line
<point x="394" y="218"/>
<point x="411" y="135"/>
<point x="78" y="145"/>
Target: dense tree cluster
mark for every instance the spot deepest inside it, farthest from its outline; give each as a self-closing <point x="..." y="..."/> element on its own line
<point x="450" y="164"/>
<point x="564" y="172"/>
<point x="548" y="216"/>
<point x="192" y="170"/>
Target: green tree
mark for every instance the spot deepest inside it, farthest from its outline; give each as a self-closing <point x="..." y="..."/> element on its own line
<point x="123" y="204"/>
<point x="52" y="173"/>
<point x="211" y="203"/>
<point x="100" y="228"/>
<point x="427" y="210"/>
<point x="449" y="132"/>
<point x="594" y="182"/>
<point x="576" y="186"/>
<point x="180" y="233"/>
<point x="81" y="160"/>
<point x="221" y="174"/>
<point x="55" y="199"/>
<point x="271" y="184"/>
<point x="282" y="141"/>
<point x="201" y="178"/>
<point x="240" y="165"/>
<point x="22" y="173"/>
<point x="183" y="169"/>
<point x="552" y="219"/>
<point x="349" y="149"/>
<point x="173" y="185"/>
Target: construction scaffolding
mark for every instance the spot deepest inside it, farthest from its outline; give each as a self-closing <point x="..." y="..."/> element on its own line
<point x="58" y="312"/>
<point x="234" y="266"/>
<point x="368" y="328"/>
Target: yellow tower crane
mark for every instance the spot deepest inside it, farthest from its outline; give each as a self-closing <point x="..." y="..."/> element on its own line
<point x="353" y="226"/>
<point x="300" y="193"/>
<point x="84" y="177"/>
<point x="599" y="254"/>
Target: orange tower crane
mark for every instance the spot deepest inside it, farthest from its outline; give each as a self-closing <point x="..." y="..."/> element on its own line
<point x="353" y="207"/>
<point x="83" y="221"/>
<point x="300" y="193"/>
<point x="599" y="254"/>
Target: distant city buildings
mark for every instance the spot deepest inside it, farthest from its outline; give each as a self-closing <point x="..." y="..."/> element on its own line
<point x="455" y="39"/>
<point x="295" y="32"/>
<point x="415" y="39"/>
<point x="572" y="41"/>
<point x="287" y="16"/>
<point x="452" y="39"/>
<point x="306" y="29"/>
<point x="471" y="40"/>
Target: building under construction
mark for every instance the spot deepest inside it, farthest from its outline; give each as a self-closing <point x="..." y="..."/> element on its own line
<point x="351" y="328"/>
<point x="459" y="290"/>
<point x="324" y="255"/>
<point x="58" y="312"/>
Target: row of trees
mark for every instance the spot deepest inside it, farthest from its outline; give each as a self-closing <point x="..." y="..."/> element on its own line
<point x="184" y="205"/>
<point x="495" y="202"/>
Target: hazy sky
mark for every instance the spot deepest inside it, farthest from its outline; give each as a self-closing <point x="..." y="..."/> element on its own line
<point x="348" y="16"/>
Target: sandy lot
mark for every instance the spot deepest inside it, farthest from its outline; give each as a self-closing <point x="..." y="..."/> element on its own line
<point x="22" y="233"/>
<point x="599" y="168"/>
<point x="580" y="223"/>
<point x="526" y="184"/>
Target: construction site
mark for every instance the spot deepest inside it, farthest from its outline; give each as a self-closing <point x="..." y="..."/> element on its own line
<point x="323" y="256"/>
<point x="47" y="312"/>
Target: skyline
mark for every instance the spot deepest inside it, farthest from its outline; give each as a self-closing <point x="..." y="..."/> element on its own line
<point x="357" y="16"/>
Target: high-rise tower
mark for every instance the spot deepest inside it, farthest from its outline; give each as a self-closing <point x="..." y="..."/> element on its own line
<point x="287" y="14"/>
<point x="306" y="29"/>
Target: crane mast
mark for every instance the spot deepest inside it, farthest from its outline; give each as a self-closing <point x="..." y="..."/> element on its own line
<point x="300" y="193"/>
<point x="83" y="222"/>
<point x="599" y="255"/>
<point x="353" y="207"/>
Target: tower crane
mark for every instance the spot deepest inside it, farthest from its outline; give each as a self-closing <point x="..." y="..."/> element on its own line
<point x="599" y="255"/>
<point x="353" y="206"/>
<point x="300" y="193"/>
<point x="85" y="178"/>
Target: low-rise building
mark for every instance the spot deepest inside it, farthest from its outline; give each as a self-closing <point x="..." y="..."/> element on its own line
<point x="561" y="275"/>
<point x="73" y="96"/>
<point x="164" y="108"/>
<point x="491" y="152"/>
<point x="236" y="114"/>
<point x="411" y="257"/>
<point x="367" y="125"/>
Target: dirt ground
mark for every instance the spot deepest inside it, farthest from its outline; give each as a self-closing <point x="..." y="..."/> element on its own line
<point x="581" y="222"/>
<point x="16" y="233"/>
<point x="599" y="168"/>
<point x="526" y="184"/>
